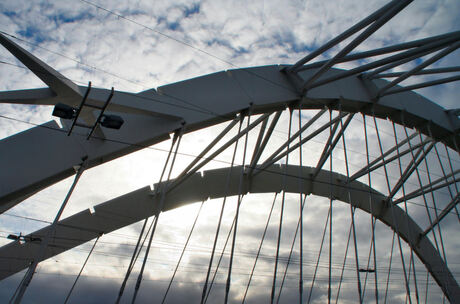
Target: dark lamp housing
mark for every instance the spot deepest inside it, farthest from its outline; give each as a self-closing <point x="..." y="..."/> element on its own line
<point x="22" y="238"/>
<point x="13" y="237"/>
<point x="112" y="121"/>
<point x="63" y="111"/>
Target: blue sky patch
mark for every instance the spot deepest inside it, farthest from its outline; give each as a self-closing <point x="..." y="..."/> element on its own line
<point x="172" y="25"/>
<point x="33" y="33"/>
<point x="67" y="18"/>
<point x="288" y="40"/>
<point x="194" y="9"/>
<point x="10" y="14"/>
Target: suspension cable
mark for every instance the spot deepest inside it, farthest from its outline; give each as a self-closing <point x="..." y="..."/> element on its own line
<point x="44" y="244"/>
<point x="452" y="172"/>
<point x="182" y="253"/>
<point x="81" y="270"/>
<point x="352" y="215"/>
<point x="358" y="276"/>
<point x="329" y="291"/>
<point x="221" y="256"/>
<point x="403" y="188"/>
<point x="373" y="220"/>
<point x="396" y="225"/>
<point x="445" y="177"/>
<point x="412" y="269"/>
<point x="426" y="206"/>
<point x="272" y="297"/>
<point x="135" y="256"/>
<point x="203" y="295"/>
<point x="177" y="137"/>
<point x="131" y="263"/>
<point x="300" y="222"/>
<point x="434" y="205"/>
<point x="290" y="255"/>
<point x="238" y="204"/>
<point x="155" y="218"/>
<point x="343" y="264"/>
<point x="319" y="256"/>
<point x="301" y="206"/>
<point x="389" y="267"/>
<point x="220" y="260"/>
<point x="371" y="247"/>
<point x="260" y="248"/>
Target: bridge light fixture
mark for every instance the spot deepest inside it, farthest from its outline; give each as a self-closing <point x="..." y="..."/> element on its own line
<point x="64" y="111"/>
<point x="112" y="121"/>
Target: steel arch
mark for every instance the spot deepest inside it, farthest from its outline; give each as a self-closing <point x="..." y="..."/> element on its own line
<point x="135" y="206"/>
<point x="222" y="95"/>
<point x="150" y="116"/>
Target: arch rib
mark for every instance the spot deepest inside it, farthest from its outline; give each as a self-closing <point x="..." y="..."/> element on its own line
<point x="135" y="206"/>
<point x="201" y="102"/>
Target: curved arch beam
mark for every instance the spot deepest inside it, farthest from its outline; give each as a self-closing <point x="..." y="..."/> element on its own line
<point x="43" y="155"/>
<point x="135" y="206"/>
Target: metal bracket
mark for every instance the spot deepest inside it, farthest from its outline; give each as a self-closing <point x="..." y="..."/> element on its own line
<point x="100" y="114"/>
<point x="83" y="104"/>
<point x="79" y="109"/>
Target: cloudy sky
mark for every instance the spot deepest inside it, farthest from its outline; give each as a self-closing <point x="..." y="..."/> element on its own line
<point x="137" y="45"/>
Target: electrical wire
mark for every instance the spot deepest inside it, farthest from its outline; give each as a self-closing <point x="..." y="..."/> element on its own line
<point x="69" y="58"/>
<point x="395" y="286"/>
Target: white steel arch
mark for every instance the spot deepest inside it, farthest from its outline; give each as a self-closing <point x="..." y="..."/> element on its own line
<point x="268" y="89"/>
<point x="135" y="206"/>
